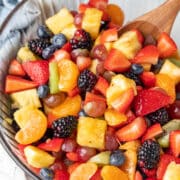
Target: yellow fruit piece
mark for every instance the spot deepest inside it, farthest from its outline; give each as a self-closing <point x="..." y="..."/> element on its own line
<point x="84" y="171"/>
<point x="59" y="21"/>
<point x="93" y="66"/>
<point x="37" y="157"/>
<point x="71" y="106"/>
<point x="69" y="31"/>
<point x="68" y="75"/>
<point x="25" y="54"/>
<point x="114" y="118"/>
<point x="165" y="82"/>
<point x="113" y="173"/>
<point x="33" y="124"/>
<point x="92" y="21"/>
<point x="172" y="70"/>
<point x="172" y="172"/>
<point x="91" y="132"/>
<point x="119" y="84"/>
<point x="25" y="98"/>
<point x="130" y="163"/>
<point x="128" y="44"/>
<point x="131" y="145"/>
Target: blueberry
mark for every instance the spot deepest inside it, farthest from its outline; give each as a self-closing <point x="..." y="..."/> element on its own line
<point x="48" y="52"/>
<point x="43" y="32"/>
<point x="117" y="158"/>
<point x="82" y="113"/>
<point x="137" y="69"/>
<point x="46" y="174"/>
<point x="43" y="91"/>
<point x="59" y="40"/>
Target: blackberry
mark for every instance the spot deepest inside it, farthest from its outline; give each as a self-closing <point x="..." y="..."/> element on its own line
<point x="133" y="76"/>
<point x="86" y="80"/>
<point x="160" y="116"/>
<point x="156" y="68"/>
<point x="63" y="127"/>
<point x="149" y="154"/>
<point x="38" y="45"/>
<point x="81" y="39"/>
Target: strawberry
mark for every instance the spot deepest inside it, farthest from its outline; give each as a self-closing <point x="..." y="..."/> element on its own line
<point x="149" y="172"/>
<point x="138" y="176"/>
<point x="116" y="61"/>
<point x="149" y="54"/>
<point x="102" y="85"/>
<point x="38" y="71"/>
<point x="152" y="132"/>
<point x="175" y="142"/>
<point x="67" y="47"/>
<point x="61" y="175"/>
<point x="53" y="145"/>
<point x="74" y="92"/>
<point x="15" y="83"/>
<point x="99" y="4"/>
<point x="148" y="79"/>
<point x="83" y="62"/>
<point x="15" y="68"/>
<point x="93" y="97"/>
<point x="60" y="54"/>
<point x="133" y="130"/>
<point x="109" y="35"/>
<point x="82" y="7"/>
<point x="97" y="175"/>
<point x="150" y="100"/>
<point x="51" y="118"/>
<point x="122" y="103"/>
<point x="72" y="156"/>
<point x="166" y="45"/>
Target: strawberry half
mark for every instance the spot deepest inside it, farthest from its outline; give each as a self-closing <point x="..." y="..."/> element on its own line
<point x="61" y="174"/>
<point x="93" y="97"/>
<point x="150" y="100"/>
<point x="83" y="62"/>
<point x="166" y="45"/>
<point x="99" y="4"/>
<point x="38" y="71"/>
<point x="109" y="35"/>
<point x="148" y="79"/>
<point x="149" y="54"/>
<point x="138" y="176"/>
<point x="175" y="142"/>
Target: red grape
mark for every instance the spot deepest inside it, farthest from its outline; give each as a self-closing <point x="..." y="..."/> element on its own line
<point x="58" y="165"/>
<point x="69" y="145"/>
<point x="111" y="142"/>
<point x="174" y="110"/>
<point x="99" y="52"/>
<point x="78" y="20"/>
<point x="100" y="68"/>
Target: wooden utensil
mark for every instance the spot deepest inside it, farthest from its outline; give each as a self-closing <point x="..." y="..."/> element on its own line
<point x="156" y="21"/>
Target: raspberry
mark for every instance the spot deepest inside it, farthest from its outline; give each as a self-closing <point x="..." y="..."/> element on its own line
<point x="160" y="116"/>
<point x="63" y="127"/>
<point x="38" y="45"/>
<point x="149" y="154"/>
<point x="134" y="77"/>
<point x="81" y="39"/>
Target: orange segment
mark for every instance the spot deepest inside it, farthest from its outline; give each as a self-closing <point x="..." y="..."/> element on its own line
<point x="165" y="82"/>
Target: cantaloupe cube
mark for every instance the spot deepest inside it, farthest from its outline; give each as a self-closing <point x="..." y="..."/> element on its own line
<point x="91" y="132"/>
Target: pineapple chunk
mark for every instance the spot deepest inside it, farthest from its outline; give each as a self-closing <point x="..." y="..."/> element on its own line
<point x="172" y="70"/>
<point x="93" y="66"/>
<point x="69" y="31"/>
<point x="92" y="21"/>
<point x="60" y="21"/>
<point x="128" y="44"/>
<point x="37" y="157"/>
<point x="25" y="54"/>
<point x="25" y="98"/>
<point x="91" y="132"/>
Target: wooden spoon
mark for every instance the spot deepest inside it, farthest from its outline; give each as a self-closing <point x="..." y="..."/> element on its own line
<point x="156" y="21"/>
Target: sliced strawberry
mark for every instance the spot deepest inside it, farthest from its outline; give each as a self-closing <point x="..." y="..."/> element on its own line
<point x="53" y="145"/>
<point x="61" y="175"/>
<point x="102" y="85"/>
<point x="113" y="25"/>
<point x="82" y="7"/>
<point x="149" y="54"/>
<point x="51" y="118"/>
<point x="138" y="176"/>
<point x="72" y="156"/>
<point x="148" y="79"/>
<point x="152" y="132"/>
<point x="175" y="142"/>
<point x="15" y="83"/>
<point x="109" y="35"/>
<point x="97" y="175"/>
<point x="60" y="54"/>
<point x="130" y="115"/>
<point x="116" y="61"/>
<point x="99" y="4"/>
<point x="15" y="68"/>
<point x="74" y="92"/>
<point x="122" y="103"/>
<point x="133" y="130"/>
<point x="149" y="172"/>
<point x="83" y="62"/>
<point x="67" y="47"/>
<point x="93" y="97"/>
<point x="150" y="100"/>
<point x="38" y="71"/>
<point x="166" y="45"/>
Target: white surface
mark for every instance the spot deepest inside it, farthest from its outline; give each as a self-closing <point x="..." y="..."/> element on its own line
<point x="132" y="9"/>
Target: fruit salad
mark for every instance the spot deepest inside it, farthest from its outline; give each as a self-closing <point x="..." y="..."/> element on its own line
<point x="90" y="104"/>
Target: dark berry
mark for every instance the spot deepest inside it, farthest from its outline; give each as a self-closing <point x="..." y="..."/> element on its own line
<point x="160" y="116"/>
<point x="15" y="126"/>
<point x="81" y="39"/>
<point x="133" y="76"/>
<point x="117" y="158"/>
<point x="104" y="25"/>
<point x="59" y="40"/>
<point x="149" y="154"/>
<point x="48" y="135"/>
<point x="178" y="96"/>
<point x="48" y="52"/>
<point x="137" y="68"/>
<point x="38" y="45"/>
<point x="63" y="127"/>
<point x="43" y="32"/>
<point x="82" y="113"/>
<point x="46" y="174"/>
<point x="156" y="68"/>
<point x="86" y="80"/>
<point x="43" y="91"/>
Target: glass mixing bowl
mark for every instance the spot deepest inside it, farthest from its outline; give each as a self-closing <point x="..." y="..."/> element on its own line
<point x="17" y="31"/>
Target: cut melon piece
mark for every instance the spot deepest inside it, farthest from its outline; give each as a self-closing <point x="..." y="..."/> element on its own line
<point x="69" y="31"/>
